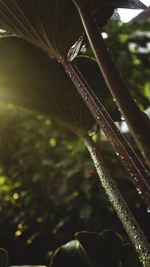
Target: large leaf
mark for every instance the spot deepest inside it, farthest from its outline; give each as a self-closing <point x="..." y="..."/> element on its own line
<point x="30" y="78"/>
<point x="53" y="25"/>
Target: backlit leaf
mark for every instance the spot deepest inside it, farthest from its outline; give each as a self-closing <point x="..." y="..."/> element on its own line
<point x="51" y="25"/>
<point x="31" y="79"/>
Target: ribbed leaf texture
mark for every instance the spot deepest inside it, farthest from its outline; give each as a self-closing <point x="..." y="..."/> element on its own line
<point x="32" y="79"/>
<point x="54" y="26"/>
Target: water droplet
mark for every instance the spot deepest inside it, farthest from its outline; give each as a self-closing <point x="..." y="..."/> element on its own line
<point x="135" y="179"/>
<point x="139" y="191"/>
<point x="114" y="99"/>
<point x="92" y="130"/>
<point x="148" y="210"/>
<point x="117" y="154"/>
<point x="122" y="118"/>
<point x="83" y="48"/>
<point x="74" y="50"/>
<point x="86" y="98"/>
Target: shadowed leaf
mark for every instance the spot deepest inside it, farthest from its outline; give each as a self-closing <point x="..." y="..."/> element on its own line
<point x="71" y="254"/>
<point x="99" y="246"/>
<point x="129" y="257"/>
<point x="131" y="4"/>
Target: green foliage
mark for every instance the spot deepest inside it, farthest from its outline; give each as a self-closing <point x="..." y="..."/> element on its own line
<point x="48" y="185"/>
<point x="47" y="24"/>
<point x="132" y="62"/>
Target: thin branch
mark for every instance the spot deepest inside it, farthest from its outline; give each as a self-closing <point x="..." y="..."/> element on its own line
<point x="139" y="174"/>
<point x="132" y="228"/>
<point x="138" y="124"/>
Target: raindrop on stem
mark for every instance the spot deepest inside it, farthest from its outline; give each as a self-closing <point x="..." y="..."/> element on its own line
<point x="148" y="209"/>
<point x="92" y="130"/>
<point x="74" y="50"/>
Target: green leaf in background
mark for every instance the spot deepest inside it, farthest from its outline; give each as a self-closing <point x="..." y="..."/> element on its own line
<point x="31" y="79"/>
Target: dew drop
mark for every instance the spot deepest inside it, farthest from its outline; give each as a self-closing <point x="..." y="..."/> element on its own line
<point x="92" y="130"/>
<point x="122" y="118"/>
<point x="139" y="191"/>
<point x="86" y="98"/>
<point x="98" y="118"/>
<point x="117" y="154"/>
<point x="148" y="210"/>
<point x="135" y="179"/>
<point x="74" y="50"/>
<point x="83" y="48"/>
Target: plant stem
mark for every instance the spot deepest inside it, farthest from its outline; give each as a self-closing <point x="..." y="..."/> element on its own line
<point x="139" y="174"/>
<point x="132" y="228"/>
<point x="138" y="124"/>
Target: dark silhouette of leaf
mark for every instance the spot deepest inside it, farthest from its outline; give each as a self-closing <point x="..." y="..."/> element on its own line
<point x="135" y="4"/>
<point x="143" y="16"/>
<point x="129" y="257"/>
<point x="99" y="246"/>
<point x="71" y="254"/>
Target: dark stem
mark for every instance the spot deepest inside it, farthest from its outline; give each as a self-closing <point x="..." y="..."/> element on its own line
<point x="129" y="223"/>
<point x="139" y="174"/>
<point x="138" y="124"/>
